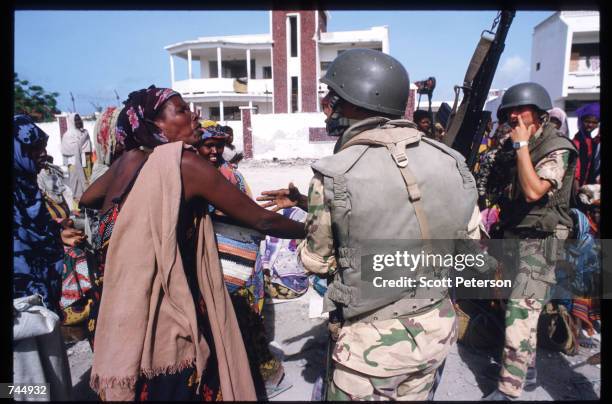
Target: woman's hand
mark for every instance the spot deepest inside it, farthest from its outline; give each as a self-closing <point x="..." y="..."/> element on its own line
<point x="70" y="235"/>
<point x="283" y="198"/>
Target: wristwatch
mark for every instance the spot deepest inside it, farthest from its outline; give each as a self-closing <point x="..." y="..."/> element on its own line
<point x="518" y="145"/>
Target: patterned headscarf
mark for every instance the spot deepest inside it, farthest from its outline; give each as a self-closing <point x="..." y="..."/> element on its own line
<point x="109" y="146"/>
<point x="213" y="132"/>
<point x="135" y="123"/>
<point x="38" y="254"/>
<point x="207" y="123"/>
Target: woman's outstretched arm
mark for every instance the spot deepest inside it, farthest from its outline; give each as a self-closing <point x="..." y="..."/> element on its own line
<point x="202" y="179"/>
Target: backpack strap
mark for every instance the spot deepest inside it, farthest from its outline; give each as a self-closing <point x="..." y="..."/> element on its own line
<point x="398" y="153"/>
<point x="396" y="138"/>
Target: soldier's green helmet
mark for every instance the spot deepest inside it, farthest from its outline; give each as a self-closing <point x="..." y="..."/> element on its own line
<point x="370" y="79"/>
<point x="524" y="94"/>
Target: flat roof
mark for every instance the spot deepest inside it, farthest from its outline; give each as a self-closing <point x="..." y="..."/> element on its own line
<point x="255" y="39"/>
<point x="369" y="35"/>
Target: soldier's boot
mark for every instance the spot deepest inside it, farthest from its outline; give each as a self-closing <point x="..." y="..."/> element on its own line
<point x="497" y="395"/>
<point x="530" y="379"/>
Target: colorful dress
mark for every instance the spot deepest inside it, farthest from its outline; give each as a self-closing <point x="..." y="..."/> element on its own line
<point x="285" y="277"/>
<point x="244" y="278"/>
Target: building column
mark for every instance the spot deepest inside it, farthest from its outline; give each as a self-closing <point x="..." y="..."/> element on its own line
<point x="191" y="107"/>
<point x="219" y="62"/>
<point x="189" y="63"/>
<point x="172" y="70"/>
<point x="248" y="61"/>
<point x="247" y="132"/>
<point x="221" y="114"/>
<point x="385" y="42"/>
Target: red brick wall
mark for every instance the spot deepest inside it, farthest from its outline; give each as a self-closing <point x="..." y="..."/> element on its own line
<point x="411" y="105"/>
<point x="322" y="21"/>
<point x="308" y="57"/>
<point x="279" y="60"/>
<point x="316" y="135"/>
<point x="247" y="133"/>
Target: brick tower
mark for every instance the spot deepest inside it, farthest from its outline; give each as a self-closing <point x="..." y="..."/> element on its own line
<point x="295" y="59"/>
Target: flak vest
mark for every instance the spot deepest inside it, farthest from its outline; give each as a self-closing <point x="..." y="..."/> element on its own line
<point x="551" y="212"/>
<point x="388" y="182"/>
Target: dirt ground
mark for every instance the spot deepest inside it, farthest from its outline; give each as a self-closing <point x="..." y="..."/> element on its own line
<point x="301" y="340"/>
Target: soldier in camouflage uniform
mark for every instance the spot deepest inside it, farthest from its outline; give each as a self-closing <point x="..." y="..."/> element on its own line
<point x="384" y="360"/>
<point x="393" y="356"/>
<point x="534" y="219"/>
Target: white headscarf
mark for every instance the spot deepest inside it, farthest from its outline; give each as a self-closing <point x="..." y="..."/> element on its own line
<point x="75" y="142"/>
<point x="562" y="117"/>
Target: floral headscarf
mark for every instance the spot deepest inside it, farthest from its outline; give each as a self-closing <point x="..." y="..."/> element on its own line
<point x="108" y="145"/>
<point x="38" y="254"/>
<point x="135" y="123"/>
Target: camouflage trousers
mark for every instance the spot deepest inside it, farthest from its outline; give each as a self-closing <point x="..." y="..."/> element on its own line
<point x="530" y="292"/>
<point x="392" y="359"/>
<point x="519" y="344"/>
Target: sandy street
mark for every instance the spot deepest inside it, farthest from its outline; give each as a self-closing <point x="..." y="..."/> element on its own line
<point x="301" y="339"/>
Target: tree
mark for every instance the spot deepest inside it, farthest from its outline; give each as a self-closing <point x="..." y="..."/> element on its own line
<point x="32" y="99"/>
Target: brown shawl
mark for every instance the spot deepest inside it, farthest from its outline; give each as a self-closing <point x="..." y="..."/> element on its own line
<point x="147" y="323"/>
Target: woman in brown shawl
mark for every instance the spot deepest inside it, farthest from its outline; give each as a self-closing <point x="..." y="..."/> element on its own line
<point x="166" y="328"/>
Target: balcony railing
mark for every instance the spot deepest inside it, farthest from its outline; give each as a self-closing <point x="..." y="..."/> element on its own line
<point x="223" y="85"/>
<point x="583" y="81"/>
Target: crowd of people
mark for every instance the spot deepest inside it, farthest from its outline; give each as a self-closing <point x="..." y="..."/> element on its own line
<point x="154" y="250"/>
<point x="71" y="282"/>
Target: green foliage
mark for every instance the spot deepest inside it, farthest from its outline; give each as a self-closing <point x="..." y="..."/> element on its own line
<point x="32" y="99"/>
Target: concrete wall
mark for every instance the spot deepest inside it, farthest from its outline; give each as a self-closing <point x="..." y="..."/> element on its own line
<point x="237" y="127"/>
<point x="582" y="21"/>
<point x="205" y="68"/>
<point x="263" y="107"/>
<point x="261" y="59"/>
<point x="287" y="136"/>
<point x="550" y="47"/>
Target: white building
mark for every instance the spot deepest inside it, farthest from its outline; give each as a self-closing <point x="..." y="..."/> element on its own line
<point x="277" y="72"/>
<point x="220" y="62"/>
<point x="565" y="60"/>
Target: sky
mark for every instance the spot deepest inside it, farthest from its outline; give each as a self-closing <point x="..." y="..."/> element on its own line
<point x="93" y="54"/>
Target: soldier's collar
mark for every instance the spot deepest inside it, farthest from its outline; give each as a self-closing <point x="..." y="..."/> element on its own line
<point x="361" y="126"/>
<point x="537" y="134"/>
